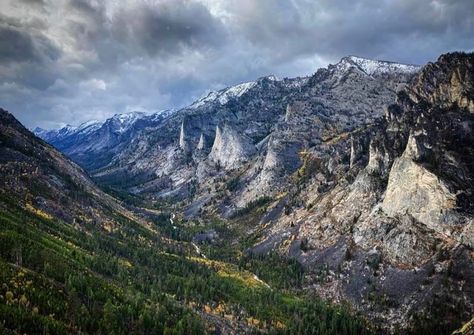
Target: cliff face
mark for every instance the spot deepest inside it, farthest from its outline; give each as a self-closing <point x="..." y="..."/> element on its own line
<point x="409" y="206"/>
<point x="432" y="180"/>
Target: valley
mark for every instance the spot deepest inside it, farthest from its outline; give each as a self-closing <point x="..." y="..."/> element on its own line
<point x="337" y="203"/>
<point x="73" y="260"/>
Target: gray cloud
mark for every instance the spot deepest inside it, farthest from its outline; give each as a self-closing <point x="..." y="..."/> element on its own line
<point x="168" y="29"/>
<point x="66" y="61"/>
<point x="332" y="28"/>
<point x="18" y="44"/>
<point x="15" y="45"/>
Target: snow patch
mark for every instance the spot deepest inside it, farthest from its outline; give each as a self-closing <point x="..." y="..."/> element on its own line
<point x="223" y="96"/>
<point x="374" y="67"/>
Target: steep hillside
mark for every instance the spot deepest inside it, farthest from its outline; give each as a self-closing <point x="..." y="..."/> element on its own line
<point x="74" y="261"/>
<point x="388" y="217"/>
<point x="42" y="179"/>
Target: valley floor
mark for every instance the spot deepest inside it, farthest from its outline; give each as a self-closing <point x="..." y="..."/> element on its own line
<point x="149" y="278"/>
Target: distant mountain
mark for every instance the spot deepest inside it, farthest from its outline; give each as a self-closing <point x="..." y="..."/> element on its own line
<point x="93" y="143"/>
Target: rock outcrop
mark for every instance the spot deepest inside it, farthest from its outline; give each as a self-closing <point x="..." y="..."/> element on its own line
<point x="230" y="149"/>
<point x="202" y="143"/>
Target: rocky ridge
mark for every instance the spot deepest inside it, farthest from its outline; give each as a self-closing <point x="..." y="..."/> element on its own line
<point x="256" y="131"/>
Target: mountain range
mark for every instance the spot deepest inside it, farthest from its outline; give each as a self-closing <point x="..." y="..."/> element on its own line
<point x="353" y="185"/>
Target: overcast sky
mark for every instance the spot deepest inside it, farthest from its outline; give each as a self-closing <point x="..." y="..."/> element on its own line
<point x="69" y="61"/>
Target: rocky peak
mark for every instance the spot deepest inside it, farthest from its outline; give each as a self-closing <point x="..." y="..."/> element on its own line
<point x="202" y="142"/>
<point x="120" y="123"/>
<point x="377" y="67"/>
<point x="223" y="96"/>
<point x="38" y="131"/>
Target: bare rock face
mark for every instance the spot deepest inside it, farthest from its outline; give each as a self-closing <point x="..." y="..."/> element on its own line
<point x="358" y="149"/>
<point x="379" y="159"/>
<point x="230" y="149"/>
<point x="413" y="190"/>
<point x="456" y="87"/>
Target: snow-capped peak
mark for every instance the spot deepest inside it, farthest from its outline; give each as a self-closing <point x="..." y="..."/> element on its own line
<point x="89" y="123"/>
<point x="56" y="133"/>
<point x="375" y="67"/>
<point x="67" y="129"/>
<point x="224" y="95"/>
<point x="271" y="78"/>
<point x="122" y="122"/>
<point x="88" y="127"/>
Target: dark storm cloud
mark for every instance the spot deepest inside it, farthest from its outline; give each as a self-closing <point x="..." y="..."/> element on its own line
<point x="17" y="44"/>
<point x="167" y="29"/>
<point x="27" y="57"/>
<point x="334" y="28"/>
<point x="413" y="31"/>
<point x="66" y="61"/>
<point x="149" y="29"/>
